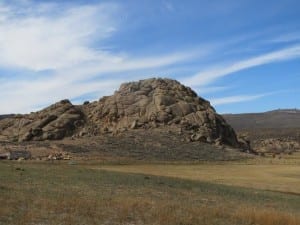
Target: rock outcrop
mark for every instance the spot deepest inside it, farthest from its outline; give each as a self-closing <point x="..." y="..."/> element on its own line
<point x="156" y="103"/>
<point x="277" y="145"/>
<point x="52" y="123"/>
<point x="146" y="104"/>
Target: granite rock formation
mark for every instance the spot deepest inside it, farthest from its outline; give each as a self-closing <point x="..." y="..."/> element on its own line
<point x="146" y="104"/>
<point x="55" y="122"/>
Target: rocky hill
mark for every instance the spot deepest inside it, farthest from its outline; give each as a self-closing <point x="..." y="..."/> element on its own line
<point x="150" y="104"/>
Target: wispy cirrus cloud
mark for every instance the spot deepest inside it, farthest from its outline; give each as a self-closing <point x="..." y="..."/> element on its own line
<point x="58" y="38"/>
<point x="248" y="97"/>
<point x="47" y="42"/>
<point x="203" y="81"/>
<point x="27" y="96"/>
<point x="211" y="89"/>
<point x="235" y="99"/>
<point x="52" y="50"/>
<point x="208" y="76"/>
<point x="68" y="42"/>
<point x="284" y="38"/>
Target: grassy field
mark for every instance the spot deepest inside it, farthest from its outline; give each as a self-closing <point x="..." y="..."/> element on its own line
<point x="81" y="193"/>
<point x="282" y="178"/>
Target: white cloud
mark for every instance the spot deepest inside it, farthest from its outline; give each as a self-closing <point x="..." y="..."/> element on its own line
<point x="52" y="41"/>
<point x="39" y="37"/>
<point x="122" y="64"/>
<point x="235" y="99"/>
<point x="64" y="41"/>
<point x="207" y="76"/>
<point x="26" y="96"/>
<point x="68" y="40"/>
<point x="211" y="89"/>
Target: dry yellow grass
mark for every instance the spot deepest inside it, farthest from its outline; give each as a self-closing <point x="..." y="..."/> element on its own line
<point x="280" y="177"/>
<point x="265" y="217"/>
<point x="146" y="211"/>
<point x="50" y="193"/>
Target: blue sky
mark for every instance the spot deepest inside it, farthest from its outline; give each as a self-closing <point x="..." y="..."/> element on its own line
<point x="243" y="56"/>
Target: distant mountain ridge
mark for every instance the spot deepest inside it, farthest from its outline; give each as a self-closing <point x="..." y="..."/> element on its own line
<point x="275" y="119"/>
<point x="284" y="111"/>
